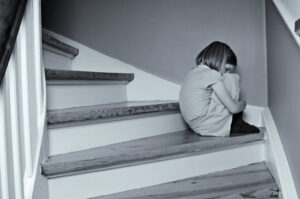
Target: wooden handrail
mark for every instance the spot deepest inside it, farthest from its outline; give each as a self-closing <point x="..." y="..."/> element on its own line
<point x="12" y="12"/>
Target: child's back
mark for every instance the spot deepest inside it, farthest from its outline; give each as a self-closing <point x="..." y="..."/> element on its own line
<point x="200" y="106"/>
<point x="209" y="96"/>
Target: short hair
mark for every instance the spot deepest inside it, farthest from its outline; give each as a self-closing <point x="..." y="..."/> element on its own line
<point x="216" y="55"/>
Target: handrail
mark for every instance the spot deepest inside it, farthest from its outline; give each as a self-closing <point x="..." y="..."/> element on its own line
<point x="287" y="18"/>
<point x="16" y="8"/>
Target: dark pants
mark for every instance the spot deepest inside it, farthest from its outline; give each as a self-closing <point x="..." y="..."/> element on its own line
<point x="239" y="126"/>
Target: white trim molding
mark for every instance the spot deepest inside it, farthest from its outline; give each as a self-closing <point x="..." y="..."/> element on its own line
<point x="14" y="127"/>
<point x="37" y="84"/>
<point x="23" y="112"/>
<point x="275" y="155"/>
<point x="276" y="158"/>
<point x="253" y="115"/>
<point x="4" y="181"/>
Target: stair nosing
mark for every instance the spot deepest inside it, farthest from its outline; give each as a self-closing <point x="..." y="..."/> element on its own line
<point x="57" y="51"/>
<point x="89" y="168"/>
<point x="71" y="75"/>
<point x="84" y="171"/>
<point x="112" y="119"/>
<point x="102" y="113"/>
<point x="55" y="43"/>
<point x="85" y="82"/>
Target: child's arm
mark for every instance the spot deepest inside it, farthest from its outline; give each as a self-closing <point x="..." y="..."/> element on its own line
<point x="226" y="99"/>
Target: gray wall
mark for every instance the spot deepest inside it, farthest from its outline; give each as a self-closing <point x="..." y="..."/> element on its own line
<point x="283" y="86"/>
<point x="163" y="37"/>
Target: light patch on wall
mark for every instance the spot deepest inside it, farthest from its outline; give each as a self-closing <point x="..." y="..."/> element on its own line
<point x="145" y="86"/>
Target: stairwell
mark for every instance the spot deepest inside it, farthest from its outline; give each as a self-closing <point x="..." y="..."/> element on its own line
<point x="102" y="146"/>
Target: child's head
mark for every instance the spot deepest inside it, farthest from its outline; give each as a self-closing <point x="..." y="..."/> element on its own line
<point x="217" y="56"/>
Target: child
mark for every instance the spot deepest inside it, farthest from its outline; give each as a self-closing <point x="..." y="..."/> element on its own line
<point x="209" y="96"/>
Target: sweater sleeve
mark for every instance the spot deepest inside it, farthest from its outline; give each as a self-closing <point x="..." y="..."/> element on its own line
<point x="211" y="77"/>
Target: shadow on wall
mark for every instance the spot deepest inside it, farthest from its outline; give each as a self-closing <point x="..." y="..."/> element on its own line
<point x="164" y="37"/>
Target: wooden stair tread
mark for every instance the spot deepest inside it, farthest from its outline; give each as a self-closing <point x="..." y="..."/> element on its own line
<point x="253" y="181"/>
<point x="109" y="111"/>
<point x="150" y="149"/>
<point x="68" y="75"/>
<point x="57" y="44"/>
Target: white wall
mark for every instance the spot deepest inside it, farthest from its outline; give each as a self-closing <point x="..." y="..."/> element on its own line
<point x="145" y="86"/>
<point x="163" y="37"/>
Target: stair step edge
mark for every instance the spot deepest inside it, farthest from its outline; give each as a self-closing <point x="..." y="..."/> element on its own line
<point x="68" y="75"/>
<point x="96" y="163"/>
<point x="111" y="119"/>
<point x="51" y="43"/>
<point x="256" y="182"/>
<point x="99" y="112"/>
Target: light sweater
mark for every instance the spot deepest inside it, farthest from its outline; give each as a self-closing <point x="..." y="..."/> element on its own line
<point x="199" y="105"/>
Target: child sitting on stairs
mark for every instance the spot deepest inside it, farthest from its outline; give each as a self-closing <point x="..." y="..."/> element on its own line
<point x="209" y="96"/>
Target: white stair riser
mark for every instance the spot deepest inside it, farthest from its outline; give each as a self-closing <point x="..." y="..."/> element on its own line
<point x="86" y="136"/>
<point x="60" y="95"/>
<point x="122" y="179"/>
<point x="53" y="60"/>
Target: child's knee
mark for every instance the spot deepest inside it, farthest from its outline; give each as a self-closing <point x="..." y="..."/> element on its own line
<point x="231" y="83"/>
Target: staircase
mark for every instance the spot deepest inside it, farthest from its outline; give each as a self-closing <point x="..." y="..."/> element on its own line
<point x="102" y="146"/>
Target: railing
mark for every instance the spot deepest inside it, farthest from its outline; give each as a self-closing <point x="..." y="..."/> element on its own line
<point x="11" y="17"/>
<point x="22" y="107"/>
<point x="287" y="12"/>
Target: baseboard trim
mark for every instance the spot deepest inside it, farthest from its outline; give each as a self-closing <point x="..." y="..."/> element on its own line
<point x="276" y="158"/>
<point x="253" y="115"/>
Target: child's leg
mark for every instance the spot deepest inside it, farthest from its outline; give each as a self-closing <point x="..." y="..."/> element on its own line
<point x="231" y="83"/>
<point x="238" y="125"/>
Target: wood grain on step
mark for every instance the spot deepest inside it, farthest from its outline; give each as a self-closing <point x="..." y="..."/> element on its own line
<point x="150" y="149"/>
<point x="53" y="74"/>
<point x="52" y="41"/>
<point x="109" y="111"/>
<point x="252" y="181"/>
<point x="112" y="119"/>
